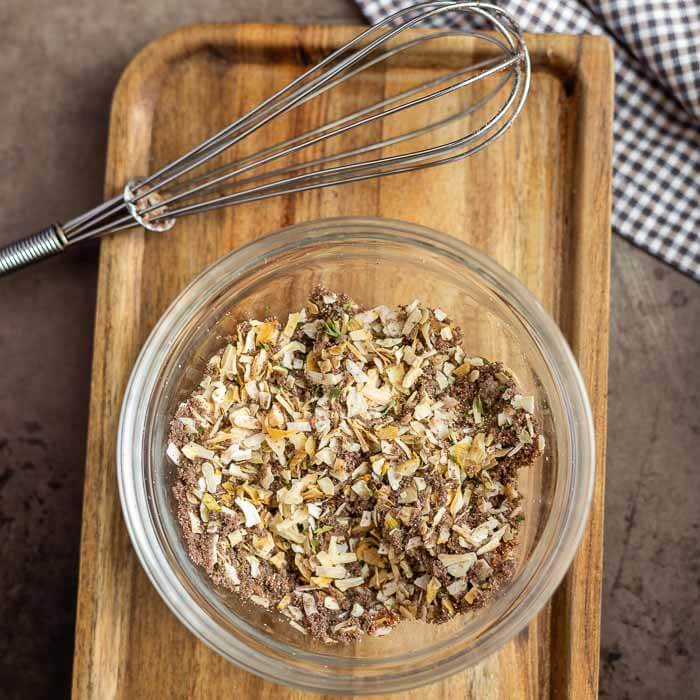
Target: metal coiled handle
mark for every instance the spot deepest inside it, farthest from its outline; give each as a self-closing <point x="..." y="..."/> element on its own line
<point x="44" y="244"/>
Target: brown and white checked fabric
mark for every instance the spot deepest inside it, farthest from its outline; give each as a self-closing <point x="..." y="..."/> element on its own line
<point x="656" y="159"/>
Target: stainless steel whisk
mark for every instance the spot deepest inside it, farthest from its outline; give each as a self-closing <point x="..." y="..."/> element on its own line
<point x="186" y="186"/>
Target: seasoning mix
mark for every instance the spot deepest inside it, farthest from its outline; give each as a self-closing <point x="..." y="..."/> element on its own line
<point x="352" y="468"/>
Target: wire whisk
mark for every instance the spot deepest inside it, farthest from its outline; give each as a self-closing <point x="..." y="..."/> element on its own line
<point x="207" y="178"/>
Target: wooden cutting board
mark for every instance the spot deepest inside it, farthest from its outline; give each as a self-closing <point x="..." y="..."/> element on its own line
<point x="538" y="201"/>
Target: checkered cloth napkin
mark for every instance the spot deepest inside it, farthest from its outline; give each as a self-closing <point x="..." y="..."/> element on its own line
<point x="656" y="159"/>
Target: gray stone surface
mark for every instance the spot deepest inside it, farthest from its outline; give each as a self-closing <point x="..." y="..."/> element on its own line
<point x="651" y="590"/>
<point x="60" y="62"/>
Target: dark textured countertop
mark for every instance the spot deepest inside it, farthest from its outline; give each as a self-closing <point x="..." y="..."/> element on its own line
<point x="60" y="63"/>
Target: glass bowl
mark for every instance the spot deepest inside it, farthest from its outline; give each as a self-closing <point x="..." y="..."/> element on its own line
<point x="375" y="261"/>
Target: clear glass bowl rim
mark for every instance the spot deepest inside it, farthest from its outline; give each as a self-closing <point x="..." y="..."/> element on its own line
<point x="534" y="589"/>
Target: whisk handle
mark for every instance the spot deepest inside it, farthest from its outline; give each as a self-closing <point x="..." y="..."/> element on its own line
<point x="26" y="251"/>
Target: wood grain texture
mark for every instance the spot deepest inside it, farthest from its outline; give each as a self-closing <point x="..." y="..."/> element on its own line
<point x="546" y="219"/>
